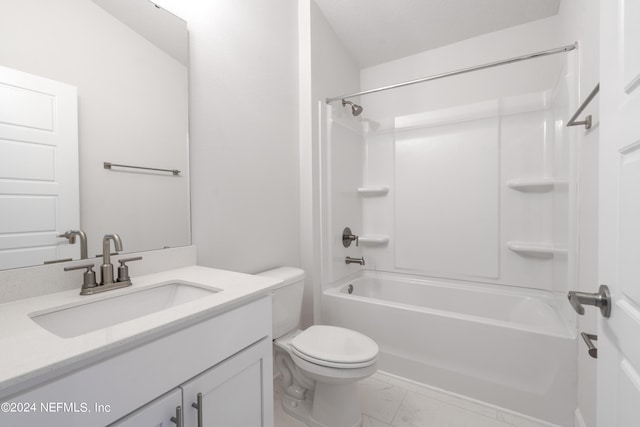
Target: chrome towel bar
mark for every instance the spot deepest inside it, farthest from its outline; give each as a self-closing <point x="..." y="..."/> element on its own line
<point x="587" y="121"/>
<point x="108" y="165"/>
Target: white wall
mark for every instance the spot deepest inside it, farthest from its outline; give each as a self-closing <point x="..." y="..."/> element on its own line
<point x="131" y="111"/>
<point x="580" y="20"/>
<point x="243" y="132"/>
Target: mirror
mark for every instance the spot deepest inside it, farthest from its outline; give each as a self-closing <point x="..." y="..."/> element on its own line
<point x="128" y="61"/>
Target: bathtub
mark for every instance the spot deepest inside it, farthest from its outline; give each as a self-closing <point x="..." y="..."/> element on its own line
<point x="504" y="346"/>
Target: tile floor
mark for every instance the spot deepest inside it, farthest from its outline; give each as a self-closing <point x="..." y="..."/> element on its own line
<point x="389" y="401"/>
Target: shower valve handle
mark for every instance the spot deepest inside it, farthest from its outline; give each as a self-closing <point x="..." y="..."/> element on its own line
<point x="348" y="237"/>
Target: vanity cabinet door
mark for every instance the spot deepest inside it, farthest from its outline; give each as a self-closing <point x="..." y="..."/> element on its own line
<point x="235" y="393"/>
<point x="154" y="414"/>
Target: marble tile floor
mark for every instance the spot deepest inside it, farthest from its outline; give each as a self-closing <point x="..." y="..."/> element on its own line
<point x="389" y="401"/>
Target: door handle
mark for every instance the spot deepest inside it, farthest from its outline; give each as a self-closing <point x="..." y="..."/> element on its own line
<point x="601" y="299"/>
<point x="589" y="339"/>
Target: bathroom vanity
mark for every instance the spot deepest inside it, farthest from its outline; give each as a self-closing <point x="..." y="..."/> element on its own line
<point x="200" y="354"/>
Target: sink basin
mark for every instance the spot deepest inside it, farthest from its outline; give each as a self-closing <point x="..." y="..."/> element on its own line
<point x="68" y="322"/>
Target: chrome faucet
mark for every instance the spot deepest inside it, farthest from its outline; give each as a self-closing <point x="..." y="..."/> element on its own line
<point x="106" y="269"/>
<point x="351" y="260"/>
<point x="71" y="237"/>
<point x="89" y="285"/>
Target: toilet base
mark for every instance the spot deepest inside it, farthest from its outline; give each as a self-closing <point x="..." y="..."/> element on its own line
<point x="318" y="395"/>
<point x="303" y="410"/>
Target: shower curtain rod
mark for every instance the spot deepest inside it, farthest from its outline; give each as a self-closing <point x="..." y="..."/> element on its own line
<point x="566" y="48"/>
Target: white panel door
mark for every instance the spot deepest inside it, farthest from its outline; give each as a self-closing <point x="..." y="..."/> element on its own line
<point x="39" y="190"/>
<point x="619" y="263"/>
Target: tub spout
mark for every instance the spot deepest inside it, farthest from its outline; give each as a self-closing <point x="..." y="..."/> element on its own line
<point x="351" y="260"/>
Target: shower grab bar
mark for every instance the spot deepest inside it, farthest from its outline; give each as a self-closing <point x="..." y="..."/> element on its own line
<point x="587" y="120"/>
<point x="566" y="48"/>
<point x="108" y="165"/>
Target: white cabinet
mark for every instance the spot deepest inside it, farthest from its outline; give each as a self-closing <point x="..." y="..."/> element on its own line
<point x="227" y="357"/>
<point x="232" y="393"/>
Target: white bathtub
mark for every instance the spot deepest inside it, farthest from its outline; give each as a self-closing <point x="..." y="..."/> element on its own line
<point x="500" y="345"/>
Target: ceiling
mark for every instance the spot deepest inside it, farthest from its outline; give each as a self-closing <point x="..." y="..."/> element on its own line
<point x="377" y="31"/>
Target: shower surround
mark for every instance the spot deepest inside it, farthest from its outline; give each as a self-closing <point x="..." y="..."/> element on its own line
<point x="468" y="182"/>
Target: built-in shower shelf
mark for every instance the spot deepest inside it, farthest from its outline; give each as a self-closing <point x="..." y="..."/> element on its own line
<point x="536" y="185"/>
<point x="373" y="191"/>
<point x="373" y="240"/>
<point x="538" y="249"/>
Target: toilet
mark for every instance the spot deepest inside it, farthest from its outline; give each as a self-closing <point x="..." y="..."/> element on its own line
<point x="321" y="365"/>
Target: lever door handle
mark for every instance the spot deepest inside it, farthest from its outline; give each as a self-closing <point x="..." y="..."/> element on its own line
<point x="601" y="299"/>
<point x="589" y="339"/>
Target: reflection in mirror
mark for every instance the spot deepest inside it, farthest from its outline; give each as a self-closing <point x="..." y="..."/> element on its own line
<point x="38" y="167"/>
<point x="97" y="81"/>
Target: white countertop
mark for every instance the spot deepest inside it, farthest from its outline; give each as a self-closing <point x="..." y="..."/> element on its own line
<point x="30" y="354"/>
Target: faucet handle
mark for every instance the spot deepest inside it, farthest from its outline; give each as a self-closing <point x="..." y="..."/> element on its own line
<point x="348" y="237"/>
<point x="89" y="276"/>
<point x="123" y="270"/>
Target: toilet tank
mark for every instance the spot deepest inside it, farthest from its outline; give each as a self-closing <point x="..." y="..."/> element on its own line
<point x="286" y="299"/>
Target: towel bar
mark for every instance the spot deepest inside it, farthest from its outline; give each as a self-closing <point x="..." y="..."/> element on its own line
<point x="108" y="165"/>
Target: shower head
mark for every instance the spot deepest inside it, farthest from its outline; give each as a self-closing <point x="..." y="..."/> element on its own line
<point x="355" y="108"/>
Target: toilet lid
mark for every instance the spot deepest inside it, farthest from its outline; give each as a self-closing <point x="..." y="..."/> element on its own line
<point x="334" y="345"/>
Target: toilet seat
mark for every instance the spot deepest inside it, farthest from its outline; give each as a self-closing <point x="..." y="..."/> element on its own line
<point x="335" y="347"/>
